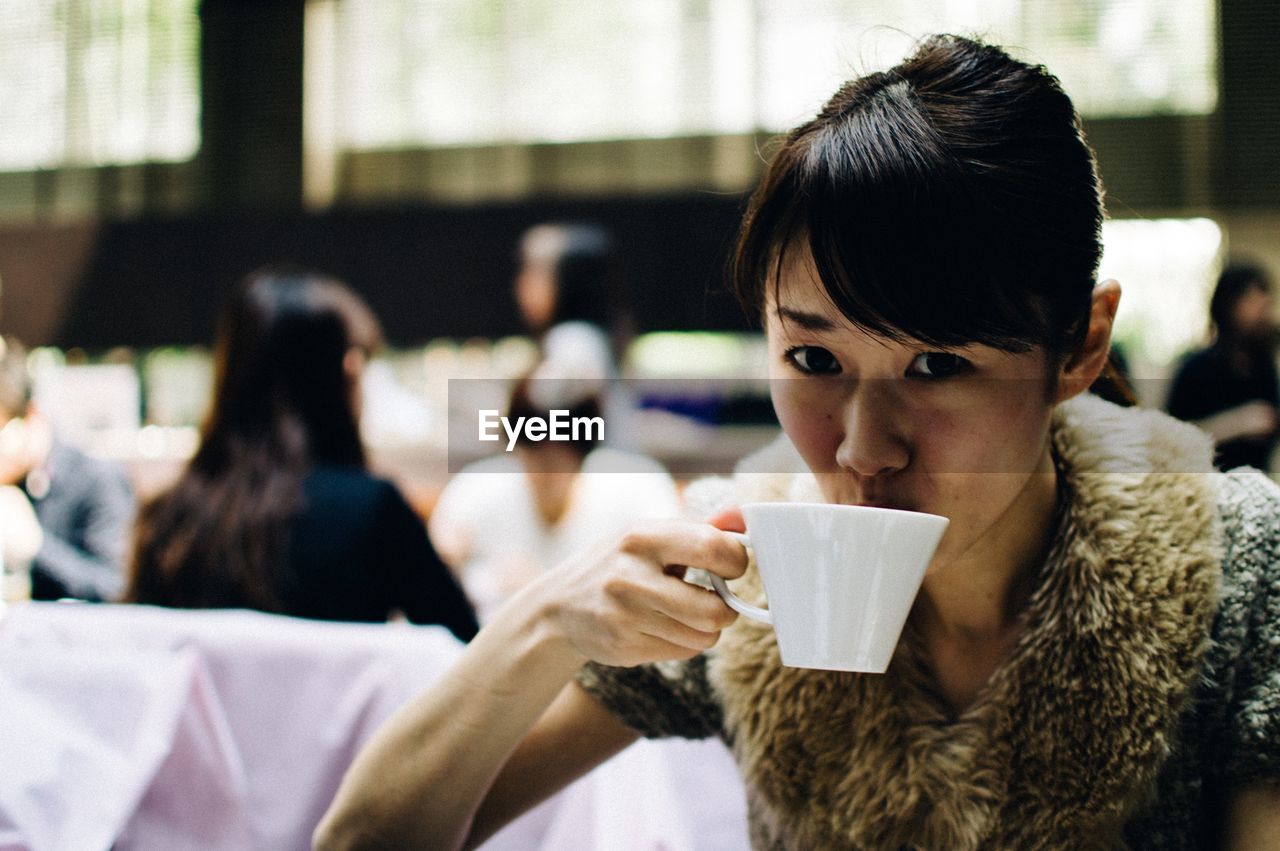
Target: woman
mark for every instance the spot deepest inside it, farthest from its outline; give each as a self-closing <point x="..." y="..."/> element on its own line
<point x="277" y="511"/>
<point x="1231" y="389"/>
<point x="570" y="294"/>
<point x="568" y="289"/>
<point x="1083" y="668"/>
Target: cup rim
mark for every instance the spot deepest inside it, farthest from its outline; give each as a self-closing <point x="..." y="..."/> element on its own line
<point x="786" y="505"/>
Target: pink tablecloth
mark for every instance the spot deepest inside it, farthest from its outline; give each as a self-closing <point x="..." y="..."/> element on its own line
<point x="141" y="728"/>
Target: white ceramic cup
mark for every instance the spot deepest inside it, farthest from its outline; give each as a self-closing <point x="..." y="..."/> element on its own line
<point x="840" y="579"/>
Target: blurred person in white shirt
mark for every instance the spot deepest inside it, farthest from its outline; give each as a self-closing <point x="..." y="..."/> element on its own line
<point x="502" y="521"/>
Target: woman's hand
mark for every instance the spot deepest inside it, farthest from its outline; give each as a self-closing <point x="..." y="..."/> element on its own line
<point x="17" y="454"/>
<point x="421" y="780"/>
<point x="22" y="532"/>
<point x="625" y="602"/>
<point x="1256" y="420"/>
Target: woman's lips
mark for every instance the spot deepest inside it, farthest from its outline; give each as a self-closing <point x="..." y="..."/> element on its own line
<point x="897" y="505"/>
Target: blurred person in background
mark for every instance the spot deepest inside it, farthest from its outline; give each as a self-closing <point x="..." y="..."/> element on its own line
<point x="1231" y="388"/>
<point x="503" y="521"/>
<point x="65" y="513"/>
<point x="277" y="510"/>
<point x="568" y="289"/>
<point x="572" y="299"/>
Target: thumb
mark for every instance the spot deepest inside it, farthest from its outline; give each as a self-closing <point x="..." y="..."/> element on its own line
<point x="728" y="519"/>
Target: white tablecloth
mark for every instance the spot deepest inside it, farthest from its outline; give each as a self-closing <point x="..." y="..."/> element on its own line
<point x="141" y="728"/>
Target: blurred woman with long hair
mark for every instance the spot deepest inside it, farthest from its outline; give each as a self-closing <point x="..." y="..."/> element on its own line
<point x="277" y="511"/>
<point x="572" y="298"/>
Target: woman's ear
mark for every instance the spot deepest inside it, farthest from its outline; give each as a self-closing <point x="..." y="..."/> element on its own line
<point x="353" y="362"/>
<point x="1078" y="372"/>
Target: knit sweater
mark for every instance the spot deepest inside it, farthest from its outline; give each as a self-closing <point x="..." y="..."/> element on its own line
<point x="1143" y="691"/>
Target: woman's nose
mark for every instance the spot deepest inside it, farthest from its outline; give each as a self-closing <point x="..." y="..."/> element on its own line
<point x="872" y="444"/>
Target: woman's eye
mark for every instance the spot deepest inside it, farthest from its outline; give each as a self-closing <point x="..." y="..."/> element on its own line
<point x="813" y="360"/>
<point x="937" y="365"/>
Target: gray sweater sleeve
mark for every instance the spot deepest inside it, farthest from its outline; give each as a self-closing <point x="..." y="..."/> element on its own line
<point x="659" y="700"/>
<point x="86" y="522"/>
<point x="1250" y="615"/>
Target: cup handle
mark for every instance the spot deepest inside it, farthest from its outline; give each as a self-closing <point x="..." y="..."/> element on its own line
<point x="735" y="602"/>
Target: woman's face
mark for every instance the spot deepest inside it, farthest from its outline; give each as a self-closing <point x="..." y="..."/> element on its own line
<point x="957" y="432"/>
<point x="536" y="294"/>
<point x="1252" y="314"/>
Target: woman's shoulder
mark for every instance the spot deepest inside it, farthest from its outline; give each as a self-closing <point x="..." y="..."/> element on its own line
<point x="576" y="350"/>
<point x="502" y="462"/>
<point x="339" y="479"/>
<point x="577" y="335"/>
<point x="1249" y="598"/>
<point x="1249" y="504"/>
<point x="333" y="490"/>
<point x="1093" y="436"/>
<point x="773" y="473"/>
<point x="1244" y="660"/>
<point x="608" y="459"/>
<point x="361" y="508"/>
<point x="1249" y="492"/>
<point x="480" y="484"/>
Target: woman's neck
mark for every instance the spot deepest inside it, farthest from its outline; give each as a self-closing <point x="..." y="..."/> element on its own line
<point x="551" y="473"/>
<point x="553" y="495"/>
<point x="981" y="595"/>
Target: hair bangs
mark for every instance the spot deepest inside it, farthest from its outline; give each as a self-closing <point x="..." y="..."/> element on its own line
<point x="893" y="269"/>
<point x="906" y="235"/>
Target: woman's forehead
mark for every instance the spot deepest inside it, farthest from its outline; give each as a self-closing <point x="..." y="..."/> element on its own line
<point x="796" y="300"/>
<point x="795" y="278"/>
<point x="796" y="293"/>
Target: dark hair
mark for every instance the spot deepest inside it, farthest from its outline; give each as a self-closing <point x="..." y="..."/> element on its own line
<point x="15" y="378"/>
<point x="282" y="402"/>
<point x="523" y="403"/>
<point x="1234" y="283"/>
<point x="589" y="286"/>
<point x="951" y="199"/>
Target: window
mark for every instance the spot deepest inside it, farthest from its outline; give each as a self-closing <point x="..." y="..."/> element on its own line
<point x="466" y="72"/>
<point x="1166" y="269"/>
<point x="1114" y="57"/>
<point x="98" y="82"/>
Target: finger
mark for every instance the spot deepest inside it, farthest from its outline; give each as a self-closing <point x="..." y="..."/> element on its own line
<point x="632" y="587"/>
<point x="670" y="630"/>
<point x="695" y="606"/>
<point x="729" y="519"/>
<point x="648" y="648"/>
<point x="688" y="543"/>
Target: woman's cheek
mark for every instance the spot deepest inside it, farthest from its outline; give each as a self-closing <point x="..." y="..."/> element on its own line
<point x="991" y="431"/>
<point x="944" y="441"/>
<point x="814" y="437"/>
<point x="812" y="428"/>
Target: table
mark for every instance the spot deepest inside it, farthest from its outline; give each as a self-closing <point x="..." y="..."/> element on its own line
<point x="133" y="727"/>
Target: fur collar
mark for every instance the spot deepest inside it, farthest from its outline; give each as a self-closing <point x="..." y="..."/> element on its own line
<point x="1067" y="737"/>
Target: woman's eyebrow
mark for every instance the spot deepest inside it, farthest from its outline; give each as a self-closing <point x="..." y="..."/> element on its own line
<point x="806" y="320"/>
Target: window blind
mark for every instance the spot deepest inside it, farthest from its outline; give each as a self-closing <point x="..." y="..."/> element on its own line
<point x="464" y="72"/>
<point x="98" y="82"/>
